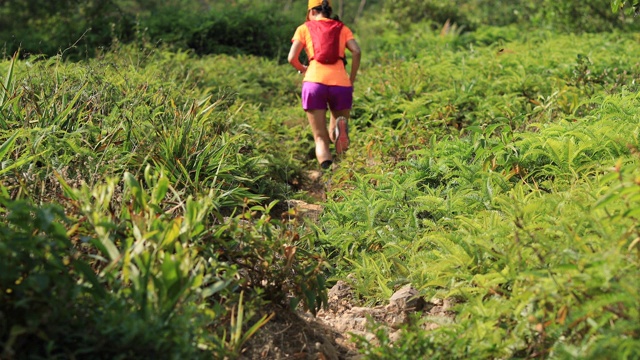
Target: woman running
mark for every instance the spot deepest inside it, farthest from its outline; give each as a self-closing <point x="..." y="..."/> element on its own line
<point x="326" y="81"/>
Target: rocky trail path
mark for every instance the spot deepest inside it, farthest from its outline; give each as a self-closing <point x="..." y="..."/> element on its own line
<point x="328" y="335"/>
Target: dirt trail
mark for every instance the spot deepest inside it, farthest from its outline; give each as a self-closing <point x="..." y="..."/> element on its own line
<point x="328" y="335"/>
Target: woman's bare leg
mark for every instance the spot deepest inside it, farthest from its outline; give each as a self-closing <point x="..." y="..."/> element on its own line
<point x="332" y="123"/>
<point x="318" y="122"/>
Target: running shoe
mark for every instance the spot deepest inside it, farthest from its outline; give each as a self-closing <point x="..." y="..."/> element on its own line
<point x="342" y="135"/>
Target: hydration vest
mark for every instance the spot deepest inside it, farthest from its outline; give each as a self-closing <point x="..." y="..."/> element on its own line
<point x="325" y="36"/>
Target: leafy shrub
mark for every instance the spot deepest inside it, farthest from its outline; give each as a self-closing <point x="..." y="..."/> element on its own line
<point x="76" y="29"/>
<point x="54" y="306"/>
<point x="570" y="16"/>
<point x="409" y="11"/>
<point x="38" y="290"/>
<point x="583" y="16"/>
<point x="82" y="29"/>
<point x="255" y="31"/>
<point x="525" y="217"/>
<point x="182" y="247"/>
<point x="128" y="278"/>
<point x="568" y="294"/>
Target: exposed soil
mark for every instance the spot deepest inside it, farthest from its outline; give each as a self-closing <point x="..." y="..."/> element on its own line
<point x="328" y="335"/>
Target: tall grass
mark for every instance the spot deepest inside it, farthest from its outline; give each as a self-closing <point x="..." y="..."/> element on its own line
<point x="161" y="237"/>
<point x="487" y="174"/>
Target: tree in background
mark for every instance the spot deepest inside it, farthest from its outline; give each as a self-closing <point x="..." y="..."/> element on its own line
<point x="41" y="26"/>
<point x="568" y="15"/>
<point x="80" y="28"/>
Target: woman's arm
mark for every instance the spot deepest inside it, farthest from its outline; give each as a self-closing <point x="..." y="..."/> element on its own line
<point x="353" y="46"/>
<point x="294" y="56"/>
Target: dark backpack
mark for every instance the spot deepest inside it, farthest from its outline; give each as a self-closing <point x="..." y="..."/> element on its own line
<point x="325" y="36"/>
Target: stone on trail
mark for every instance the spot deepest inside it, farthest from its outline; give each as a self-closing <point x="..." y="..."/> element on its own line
<point x="407" y="299"/>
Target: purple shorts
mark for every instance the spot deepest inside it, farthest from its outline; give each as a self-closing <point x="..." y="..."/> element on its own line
<point x="316" y="97"/>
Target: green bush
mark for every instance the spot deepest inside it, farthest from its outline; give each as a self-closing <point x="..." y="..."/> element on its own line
<point x="406" y="12"/>
<point x="583" y="16"/>
<point x="167" y="172"/>
<point x="77" y="29"/>
<point x="127" y="277"/>
<point x="496" y="173"/>
<point x="83" y="29"/>
<point x="569" y="16"/>
<point x="52" y="305"/>
<point x="257" y="30"/>
<point x="38" y="280"/>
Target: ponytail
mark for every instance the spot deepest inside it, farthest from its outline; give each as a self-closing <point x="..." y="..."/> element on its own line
<point x="326" y="10"/>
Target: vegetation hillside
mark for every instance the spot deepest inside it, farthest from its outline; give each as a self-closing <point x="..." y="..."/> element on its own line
<point x="149" y="152"/>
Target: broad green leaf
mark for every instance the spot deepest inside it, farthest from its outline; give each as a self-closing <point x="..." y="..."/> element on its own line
<point x="215" y="288"/>
<point x="138" y="194"/>
<point x="160" y="190"/>
<point x="19" y="163"/>
<point x="7" y="146"/>
<point x="169" y="270"/>
<point x="88" y="274"/>
<point x="107" y="247"/>
<point x="171" y="234"/>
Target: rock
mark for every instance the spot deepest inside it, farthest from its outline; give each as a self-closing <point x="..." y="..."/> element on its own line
<point x="340" y="297"/>
<point x="326" y="351"/>
<point x="339" y="291"/>
<point x="395" y="336"/>
<point x="346" y="318"/>
<point x="304" y="210"/>
<point x="407" y="299"/>
<point x="355" y="357"/>
<point x="397" y="320"/>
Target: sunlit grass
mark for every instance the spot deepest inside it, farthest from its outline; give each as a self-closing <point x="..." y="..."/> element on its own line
<point x="503" y="176"/>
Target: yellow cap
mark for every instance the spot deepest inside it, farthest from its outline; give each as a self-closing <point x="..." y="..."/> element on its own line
<point x="316" y="3"/>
